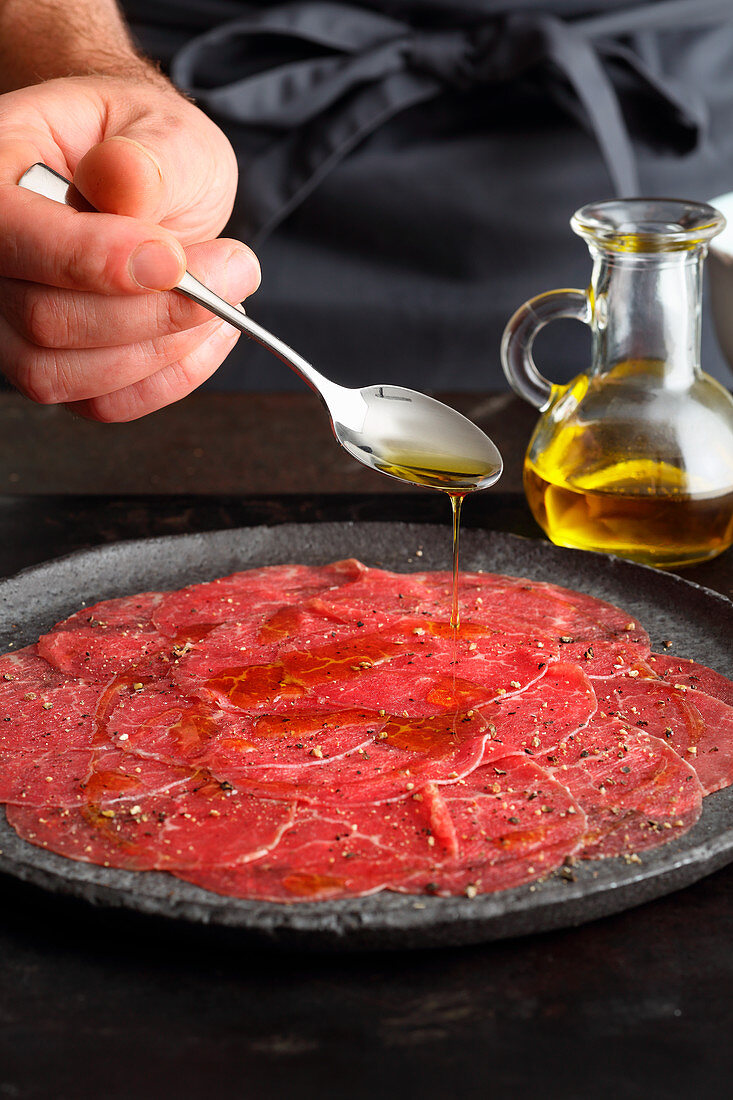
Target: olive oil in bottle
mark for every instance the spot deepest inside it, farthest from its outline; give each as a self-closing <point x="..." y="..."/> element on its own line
<point x="625" y="511"/>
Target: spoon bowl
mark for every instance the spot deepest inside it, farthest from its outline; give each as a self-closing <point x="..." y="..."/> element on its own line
<point x="413" y="437"/>
<point x="399" y="432"/>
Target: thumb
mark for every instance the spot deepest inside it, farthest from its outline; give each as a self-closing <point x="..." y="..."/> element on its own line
<point x="121" y="176"/>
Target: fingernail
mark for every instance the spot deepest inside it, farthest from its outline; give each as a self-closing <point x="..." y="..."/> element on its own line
<point x="242" y="272"/>
<point x="147" y="152"/>
<point x="154" y="265"/>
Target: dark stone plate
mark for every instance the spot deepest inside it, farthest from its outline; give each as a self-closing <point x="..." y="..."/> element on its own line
<point x="698" y="621"/>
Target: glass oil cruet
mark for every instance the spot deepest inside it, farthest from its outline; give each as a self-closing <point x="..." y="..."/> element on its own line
<point x="635" y="457"/>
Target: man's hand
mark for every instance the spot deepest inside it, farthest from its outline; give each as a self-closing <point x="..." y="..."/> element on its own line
<point x="86" y="316"/>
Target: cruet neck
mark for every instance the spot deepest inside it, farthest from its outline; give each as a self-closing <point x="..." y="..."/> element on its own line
<point x="646" y="288"/>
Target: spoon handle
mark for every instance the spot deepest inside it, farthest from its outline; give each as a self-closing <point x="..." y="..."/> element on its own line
<point x="45" y="181"/>
<point x="235" y="315"/>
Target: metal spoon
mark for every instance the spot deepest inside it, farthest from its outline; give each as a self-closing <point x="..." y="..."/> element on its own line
<point x="397" y="431"/>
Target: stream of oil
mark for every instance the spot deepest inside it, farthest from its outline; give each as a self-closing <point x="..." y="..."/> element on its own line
<point x="456" y="503"/>
<point x="457" y="477"/>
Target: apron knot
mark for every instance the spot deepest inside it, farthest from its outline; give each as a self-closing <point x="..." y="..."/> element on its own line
<point x="454" y="57"/>
<point x="337" y="72"/>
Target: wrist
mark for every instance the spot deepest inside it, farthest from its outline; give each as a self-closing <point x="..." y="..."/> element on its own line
<point x="45" y="39"/>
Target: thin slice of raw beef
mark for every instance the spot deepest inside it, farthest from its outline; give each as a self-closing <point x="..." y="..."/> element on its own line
<point x="406" y="754"/>
<point x="697" y="726"/>
<point x="337" y="851"/>
<point x="685" y="671"/>
<point x="21" y="672"/>
<point x="97" y="656"/>
<point x="423" y="673"/>
<point x="134" y="612"/>
<point x="187" y="819"/>
<point x="240" y="646"/>
<point x="164" y="723"/>
<point x="35" y="779"/>
<point x="406" y="667"/>
<point x="49" y="719"/>
<point x="235" y="598"/>
<point x="71" y="778"/>
<point x="552" y="708"/>
<point x="598" y="635"/>
<point x="636" y="791"/>
<point x="513" y="823"/>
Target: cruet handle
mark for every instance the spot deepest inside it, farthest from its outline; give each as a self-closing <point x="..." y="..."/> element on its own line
<point x="519" y="334"/>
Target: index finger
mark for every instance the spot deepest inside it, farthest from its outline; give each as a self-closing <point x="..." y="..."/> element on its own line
<point x="45" y="242"/>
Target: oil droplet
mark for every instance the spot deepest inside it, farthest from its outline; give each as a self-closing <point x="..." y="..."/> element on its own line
<point x="311" y="886"/>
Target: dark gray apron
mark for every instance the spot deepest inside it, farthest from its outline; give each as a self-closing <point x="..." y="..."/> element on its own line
<point x="408" y="169"/>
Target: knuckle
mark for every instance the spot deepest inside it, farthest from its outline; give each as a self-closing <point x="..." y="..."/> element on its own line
<point x="168" y="348"/>
<point x="200" y="363"/>
<point x="174" y="312"/>
<point x="82" y="268"/>
<point x="41" y="323"/>
<point x="36" y="378"/>
<point x="48" y="377"/>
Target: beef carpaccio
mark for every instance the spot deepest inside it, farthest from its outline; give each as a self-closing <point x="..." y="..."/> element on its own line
<point x="294" y="733"/>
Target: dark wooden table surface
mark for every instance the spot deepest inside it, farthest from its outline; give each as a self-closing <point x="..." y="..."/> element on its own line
<point x="104" y="1003"/>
